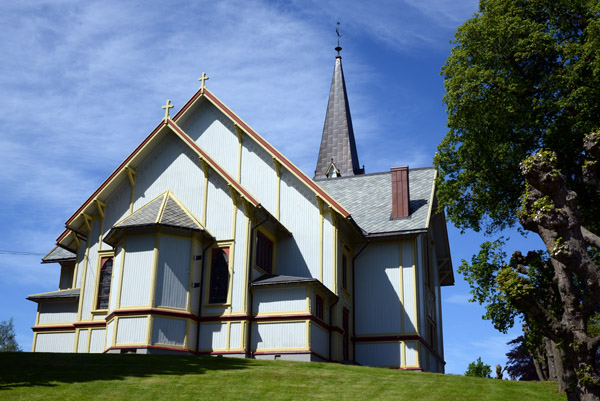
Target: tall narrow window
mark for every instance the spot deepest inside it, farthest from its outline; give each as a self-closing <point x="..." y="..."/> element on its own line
<point x="319" y="307"/>
<point x="344" y="272"/>
<point x="264" y="253"/>
<point x="219" y="276"/>
<point x="104" y="283"/>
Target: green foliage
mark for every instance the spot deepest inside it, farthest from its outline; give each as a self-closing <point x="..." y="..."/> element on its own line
<point x="8" y="343"/>
<point x="478" y="369"/>
<point x="523" y="75"/>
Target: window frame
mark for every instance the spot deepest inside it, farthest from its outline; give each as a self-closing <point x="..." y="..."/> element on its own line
<point x="104" y="258"/>
<point x="263" y="234"/>
<point x="213" y="251"/>
<point x="319" y="307"/>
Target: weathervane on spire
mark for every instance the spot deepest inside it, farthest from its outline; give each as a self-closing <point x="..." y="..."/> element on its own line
<point x="339" y="35"/>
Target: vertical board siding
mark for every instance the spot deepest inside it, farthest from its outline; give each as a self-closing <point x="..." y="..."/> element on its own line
<point x="168" y="331"/>
<point x="258" y="174"/>
<point x="137" y="271"/>
<point x="382" y="354"/>
<point x="171" y="165"/>
<point x="89" y="289"/>
<point x="172" y="281"/>
<point x="420" y="268"/>
<point x="319" y="340"/>
<point x="109" y="334"/>
<point x="411" y="353"/>
<point x="114" y="284"/>
<point x="215" y="133"/>
<point x="97" y="341"/>
<point x="219" y="210"/>
<point x="239" y="261"/>
<point x="377" y="287"/>
<point x="131" y="330"/>
<point x="438" y="305"/>
<point x="410" y="297"/>
<point x="117" y="205"/>
<point x="282" y="299"/>
<point x="193" y="333"/>
<point x="432" y="363"/>
<point x="213" y="336"/>
<point x="235" y="336"/>
<point x="80" y="263"/>
<point x="328" y="264"/>
<point x="55" y="342"/>
<point x="58" y="312"/>
<point x="279" y="335"/>
<point x="82" y="341"/>
<point x="299" y="213"/>
<point x="197" y="266"/>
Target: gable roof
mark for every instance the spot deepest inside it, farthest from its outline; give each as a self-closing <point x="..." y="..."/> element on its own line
<point x="171" y="124"/>
<point x="338" y="146"/>
<point x="58" y="254"/>
<point x="165" y="211"/>
<point x="369" y="199"/>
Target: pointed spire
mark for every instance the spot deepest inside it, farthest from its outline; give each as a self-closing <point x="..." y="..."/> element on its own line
<point x="337" y="143"/>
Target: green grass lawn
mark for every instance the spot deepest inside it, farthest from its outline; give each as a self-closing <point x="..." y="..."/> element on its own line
<point x="29" y="376"/>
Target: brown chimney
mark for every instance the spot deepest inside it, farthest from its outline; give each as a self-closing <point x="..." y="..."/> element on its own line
<point x="400" y="196"/>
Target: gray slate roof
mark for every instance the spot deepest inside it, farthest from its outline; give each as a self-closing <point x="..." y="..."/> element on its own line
<point x="277" y="279"/>
<point x="63" y="294"/>
<point x="368" y="198"/>
<point x="337" y="142"/>
<point x="162" y="211"/>
<point x="58" y="254"/>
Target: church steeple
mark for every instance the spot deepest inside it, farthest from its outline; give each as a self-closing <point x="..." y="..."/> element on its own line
<point x="338" y="155"/>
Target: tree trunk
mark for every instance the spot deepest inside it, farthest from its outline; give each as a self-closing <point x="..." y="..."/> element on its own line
<point x="538" y="369"/>
<point x="550" y="353"/>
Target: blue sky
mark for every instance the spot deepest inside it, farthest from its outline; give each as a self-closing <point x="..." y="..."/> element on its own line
<point x="83" y="83"/>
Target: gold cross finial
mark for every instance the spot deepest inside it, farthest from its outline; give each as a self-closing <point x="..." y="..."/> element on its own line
<point x="202" y="79"/>
<point x="167" y="107"/>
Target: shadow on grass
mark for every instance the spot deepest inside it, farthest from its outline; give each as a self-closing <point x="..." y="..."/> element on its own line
<point x="21" y="369"/>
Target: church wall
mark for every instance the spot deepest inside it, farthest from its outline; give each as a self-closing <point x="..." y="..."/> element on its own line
<point x="82" y="341"/>
<point x="421" y="272"/>
<point x="80" y="263"/>
<point x="214" y="133"/>
<point x="173" y="271"/>
<point x="192" y="332"/>
<point x="137" y="271"/>
<point x="57" y="312"/>
<point x="328" y="266"/>
<point x="197" y="267"/>
<point x="110" y="326"/>
<point x="116" y="276"/>
<point x="131" y="330"/>
<point x="299" y="255"/>
<point x="319" y="340"/>
<point x="279" y="336"/>
<point x="239" y="262"/>
<point x="438" y="306"/>
<point x="409" y="287"/>
<point x="213" y="337"/>
<point x="379" y="354"/>
<point x="378" y="290"/>
<point x="235" y="336"/>
<point x="117" y="207"/>
<point x="97" y="340"/>
<point x="54" y="342"/>
<point x="412" y="355"/>
<point x="171" y="165"/>
<point x="89" y="287"/>
<point x="168" y="331"/>
<point x="258" y="174"/>
<point x="281" y="299"/>
<point x="219" y="211"/>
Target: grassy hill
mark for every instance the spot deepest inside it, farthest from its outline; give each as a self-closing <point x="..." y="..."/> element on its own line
<point x="30" y="376"/>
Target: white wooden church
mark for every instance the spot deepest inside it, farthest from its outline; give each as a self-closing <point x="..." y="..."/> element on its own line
<point x="208" y="240"/>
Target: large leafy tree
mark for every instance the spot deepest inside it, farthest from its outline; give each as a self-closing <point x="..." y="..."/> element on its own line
<point x="522" y="95"/>
<point x="8" y="342"/>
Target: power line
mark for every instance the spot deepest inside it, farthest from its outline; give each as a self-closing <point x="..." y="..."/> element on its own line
<point x="6" y="252"/>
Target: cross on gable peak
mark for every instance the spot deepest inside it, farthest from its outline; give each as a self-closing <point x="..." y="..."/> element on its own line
<point x="167" y="107"/>
<point x="203" y="79"/>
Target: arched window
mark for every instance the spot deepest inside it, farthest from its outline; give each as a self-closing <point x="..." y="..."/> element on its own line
<point x="104" y="283"/>
<point x="219" y="276"/>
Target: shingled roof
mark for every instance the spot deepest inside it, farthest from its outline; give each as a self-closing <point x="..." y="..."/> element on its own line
<point x="163" y="211"/>
<point x="338" y="148"/>
<point x="368" y="197"/>
<point x="62" y="294"/>
<point x="58" y="254"/>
